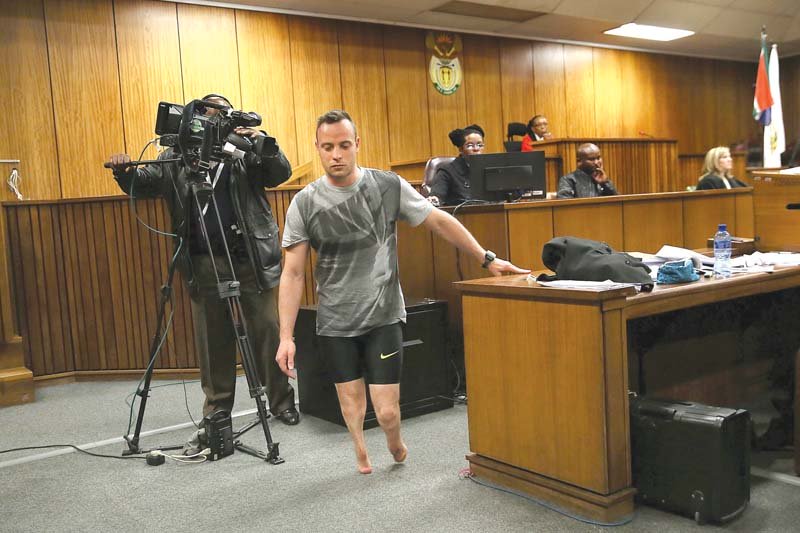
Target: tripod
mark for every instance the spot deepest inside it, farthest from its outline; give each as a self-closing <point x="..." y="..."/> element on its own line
<point x="201" y="193"/>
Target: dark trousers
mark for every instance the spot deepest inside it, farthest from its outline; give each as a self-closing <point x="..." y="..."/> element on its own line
<point x="215" y="338"/>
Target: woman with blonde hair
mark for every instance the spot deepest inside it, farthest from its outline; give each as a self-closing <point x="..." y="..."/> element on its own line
<point x="717" y="171"/>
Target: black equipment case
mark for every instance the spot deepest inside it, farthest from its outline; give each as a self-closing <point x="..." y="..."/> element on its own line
<point x="691" y="459"/>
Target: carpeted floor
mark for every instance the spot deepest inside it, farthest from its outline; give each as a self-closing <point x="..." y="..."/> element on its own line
<point x="316" y="489"/>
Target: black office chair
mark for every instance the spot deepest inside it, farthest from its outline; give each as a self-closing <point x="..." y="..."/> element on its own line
<point x="430" y="172"/>
<point x="514" y="129"/>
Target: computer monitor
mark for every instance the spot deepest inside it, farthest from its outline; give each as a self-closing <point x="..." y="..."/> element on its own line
<point x="507" y="176"/>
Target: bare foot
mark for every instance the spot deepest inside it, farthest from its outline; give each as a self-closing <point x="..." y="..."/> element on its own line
<point x="364" y="466"/>
<point x="400" y="453"/>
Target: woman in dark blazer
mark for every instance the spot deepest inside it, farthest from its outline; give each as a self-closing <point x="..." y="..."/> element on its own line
<point x="717" y="171"/>
<point x="451" y="183"/>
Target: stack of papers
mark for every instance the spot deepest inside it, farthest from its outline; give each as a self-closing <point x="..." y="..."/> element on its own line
<point x="595" y="286"/>
<point x="755" y="262"/>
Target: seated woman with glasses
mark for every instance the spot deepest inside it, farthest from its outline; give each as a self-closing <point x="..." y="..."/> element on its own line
<point x="451" y="182"/>
<point x="717" y="171"/>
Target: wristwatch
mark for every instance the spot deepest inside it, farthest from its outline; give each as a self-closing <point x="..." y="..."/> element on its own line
<point x="488" y="258"/>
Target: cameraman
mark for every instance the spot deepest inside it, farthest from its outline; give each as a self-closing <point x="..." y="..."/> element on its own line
<point x="254" y="245"/>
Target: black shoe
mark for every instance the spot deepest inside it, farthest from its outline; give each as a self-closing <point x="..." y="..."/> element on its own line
<point x="290" y="416"/>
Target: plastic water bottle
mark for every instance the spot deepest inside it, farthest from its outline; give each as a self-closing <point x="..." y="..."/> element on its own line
<point x="722" y="252"/>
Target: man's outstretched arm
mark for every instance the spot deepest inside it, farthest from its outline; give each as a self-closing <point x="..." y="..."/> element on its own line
<point x="450" y="229"/>
<point x="289" y="295"/>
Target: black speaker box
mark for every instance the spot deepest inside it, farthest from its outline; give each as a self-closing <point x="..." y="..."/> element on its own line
<point x="691" y="459"/>
<point x="426" y="384"/>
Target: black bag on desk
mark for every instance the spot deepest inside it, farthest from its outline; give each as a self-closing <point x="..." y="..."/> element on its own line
<point x="574" y="258"/>
<point x="691" y="459"/>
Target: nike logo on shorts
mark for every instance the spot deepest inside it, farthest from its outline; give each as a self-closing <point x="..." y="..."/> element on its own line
<point x="387" y="356"/>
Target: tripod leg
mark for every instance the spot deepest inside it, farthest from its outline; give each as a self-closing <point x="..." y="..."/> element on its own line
<point x="144" y="391"/>
<point x="229" y="291"/>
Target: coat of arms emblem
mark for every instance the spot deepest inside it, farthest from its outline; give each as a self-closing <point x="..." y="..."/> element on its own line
<point x="444" y="68"/>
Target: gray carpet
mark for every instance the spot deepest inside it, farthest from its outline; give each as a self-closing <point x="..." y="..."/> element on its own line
<point x="317" y="489"/>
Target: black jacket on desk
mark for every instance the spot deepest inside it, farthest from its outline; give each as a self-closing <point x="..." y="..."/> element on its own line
<point x="713" y="181"/>
<point x="579" y="184"/>
<point x="451" y="182"/>
<point x="248" y="177"/>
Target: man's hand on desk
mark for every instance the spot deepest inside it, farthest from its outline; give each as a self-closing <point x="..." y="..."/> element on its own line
<point x="498" y="266"/>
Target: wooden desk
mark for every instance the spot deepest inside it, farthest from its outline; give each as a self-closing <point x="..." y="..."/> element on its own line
<point x="548" y="377"/>
<point x="777" y="228"/>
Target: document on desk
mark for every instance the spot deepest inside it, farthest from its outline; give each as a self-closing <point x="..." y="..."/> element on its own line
<point x="593" y="286"/>
<point x="672" y="253"/>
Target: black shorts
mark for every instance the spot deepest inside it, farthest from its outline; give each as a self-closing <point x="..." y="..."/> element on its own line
<point x="377" y="355"/>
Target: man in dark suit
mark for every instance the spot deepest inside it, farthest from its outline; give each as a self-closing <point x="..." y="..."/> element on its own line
<point x="589" y="179"/>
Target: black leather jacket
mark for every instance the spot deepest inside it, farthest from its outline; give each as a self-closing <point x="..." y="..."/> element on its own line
<point x="248" y="177"/>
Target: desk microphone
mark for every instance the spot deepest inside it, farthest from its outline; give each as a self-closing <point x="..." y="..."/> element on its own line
<point x="645" y="134"/>
<point x="792" y="206"/>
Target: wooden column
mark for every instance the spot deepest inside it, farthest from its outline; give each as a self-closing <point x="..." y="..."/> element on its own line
<point x="16" y="380"/>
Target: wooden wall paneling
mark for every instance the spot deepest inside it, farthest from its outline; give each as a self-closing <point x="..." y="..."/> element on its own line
<point x="39" y="228"/>
<point x="38" y="339"/>
<point x="690" y="167"/>
<point x="702" y="215"/>
<point x="579" y="91"/>
<point x="700" y="98"/>
<point x="650" y="224"/>
<point x="554" y="169"/>
<point x="600" y="222"/>
<point x="57" y="298"/>
<point x="528" y="231"/>
<point x="517" y="87"/>
<point x="482" y="87"/>
<point x="636" y="93"/>
<point x="122" y="305"/>
<point x="446" y="112"/>
<point x="549" y="85"/>
<point x="315" y="78"/>
<point x="364" y="89"/>
<point x="149" y="66"/>
<point x="18" y="239"/>
<point x="209" y="57"/>
<point x="415" y="260"/>
<point x="85" y="81"/>
<point x="63" y="319"/>
<point x="112" y="288"/>
<point x="489" y="228"/>
<point x="265" y="65"/>
<point x="8" y="328"/>
<point x="727" y="116"/>
<point x="98" y="270"/>
<point x="745" y="216"/>
<point x="608" y="95"/>
<point x="104" y="267"/>
<point x="666" y="97"/>
<point x="73" y="287"/>
<point x="92" y="323"/>
<point x="129" y="246"/>
<point x="684" y="120"/>
<point x="25" y="82"/>
<point x="406" y="94"/>
<point x="790" y="97"/>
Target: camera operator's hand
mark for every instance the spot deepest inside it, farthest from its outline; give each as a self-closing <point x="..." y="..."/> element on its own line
<point x="119" y="162"/>
<point x="250" y="132"/>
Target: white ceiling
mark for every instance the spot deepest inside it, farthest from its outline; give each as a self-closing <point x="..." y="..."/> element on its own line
<point x="727" y="29"/>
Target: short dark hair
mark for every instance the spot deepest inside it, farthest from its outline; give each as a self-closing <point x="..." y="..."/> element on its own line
<point x="336" y="115"/>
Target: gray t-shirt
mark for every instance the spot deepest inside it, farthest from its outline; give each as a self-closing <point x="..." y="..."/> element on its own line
<point x="353" y="230"/>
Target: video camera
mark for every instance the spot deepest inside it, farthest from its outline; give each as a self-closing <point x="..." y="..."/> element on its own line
<point x="201" y="138"/>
